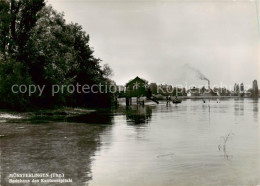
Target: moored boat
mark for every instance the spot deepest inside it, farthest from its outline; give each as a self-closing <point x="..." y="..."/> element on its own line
<point x="176" y="101"/>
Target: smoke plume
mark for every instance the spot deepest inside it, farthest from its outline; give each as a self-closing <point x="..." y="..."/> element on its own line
<point x="196" y="72"/>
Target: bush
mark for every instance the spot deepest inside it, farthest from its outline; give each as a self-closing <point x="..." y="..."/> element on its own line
<point x="13" y="72"/>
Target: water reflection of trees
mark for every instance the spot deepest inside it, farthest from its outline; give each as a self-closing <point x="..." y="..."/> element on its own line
<point x="60" y="147"/>
<point x="138" y="114"/>
<point x="92" y="118"/>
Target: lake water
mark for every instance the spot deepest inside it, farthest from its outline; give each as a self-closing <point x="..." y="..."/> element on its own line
<point x="194" y="143"/>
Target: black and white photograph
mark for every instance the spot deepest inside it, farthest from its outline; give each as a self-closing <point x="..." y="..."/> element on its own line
<point x="129" y="92"/>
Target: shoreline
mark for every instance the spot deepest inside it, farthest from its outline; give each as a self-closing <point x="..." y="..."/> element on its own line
<point x="214" y="97"/>
<point x="57" y="113"/>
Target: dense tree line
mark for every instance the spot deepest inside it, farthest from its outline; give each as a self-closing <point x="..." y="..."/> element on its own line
<point x="38" y="47"/>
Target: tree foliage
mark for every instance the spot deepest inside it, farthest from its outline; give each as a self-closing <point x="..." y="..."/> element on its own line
<point x="42" y="49"/>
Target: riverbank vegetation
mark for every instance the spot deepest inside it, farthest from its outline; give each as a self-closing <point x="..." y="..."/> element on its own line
<point x="38" y="47"/>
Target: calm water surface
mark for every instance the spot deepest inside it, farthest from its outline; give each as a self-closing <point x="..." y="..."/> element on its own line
<point x="189" y="144"/>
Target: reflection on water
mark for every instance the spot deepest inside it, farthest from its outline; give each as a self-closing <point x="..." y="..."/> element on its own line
<point x="91" y="118"/>
<point x="194" y="143"/>
<point x="239" y="106"/>
<point x="255" y="109"/>
<point x="59" y="147"/>
<point x="138" y="114"/>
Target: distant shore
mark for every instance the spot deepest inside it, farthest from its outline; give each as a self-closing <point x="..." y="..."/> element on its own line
<point x="212" y="97"/>
<point x="205" y="97"/>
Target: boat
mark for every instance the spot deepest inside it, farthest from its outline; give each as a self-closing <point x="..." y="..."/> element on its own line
<point x="176" y="101"/>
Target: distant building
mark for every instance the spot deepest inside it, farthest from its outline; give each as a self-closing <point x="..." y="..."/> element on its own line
<point x="235" y="88"/>
<point x="242" y="87"/>
<point x="221" y="92"/>
<point x="194" y="92"/>
<point x="241" y="90"/>
<point x="255" y="89"/>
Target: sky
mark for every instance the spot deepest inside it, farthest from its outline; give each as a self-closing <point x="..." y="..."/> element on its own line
<point x="157" y="39"/>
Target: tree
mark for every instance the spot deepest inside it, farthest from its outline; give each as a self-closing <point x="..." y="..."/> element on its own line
<point x="11" y="73"/>
<point x="49" y="52"/>
<point x="62" y="55"/>
<point x="18" y="17"/>
<point x="5" y="19"/>
<point x="107" y="71"/>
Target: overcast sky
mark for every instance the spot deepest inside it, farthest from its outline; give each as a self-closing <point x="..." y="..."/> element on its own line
<point x="155" y="39"/>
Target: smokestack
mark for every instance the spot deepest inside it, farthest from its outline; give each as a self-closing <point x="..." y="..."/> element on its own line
<point x="208" y="84"/>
